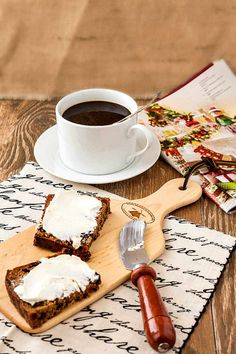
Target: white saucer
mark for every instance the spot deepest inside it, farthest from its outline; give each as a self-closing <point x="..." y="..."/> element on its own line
<point x="46" y="152"/>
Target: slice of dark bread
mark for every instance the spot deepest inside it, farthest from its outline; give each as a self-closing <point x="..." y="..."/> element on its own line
<point x="54" y="244"/>
<point x="42" y="311"/>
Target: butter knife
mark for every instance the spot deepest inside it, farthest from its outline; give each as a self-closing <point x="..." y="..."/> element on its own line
<point x="158" y="326"/>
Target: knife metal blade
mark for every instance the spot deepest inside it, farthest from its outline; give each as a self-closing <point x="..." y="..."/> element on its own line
<point x="132" y="249"/>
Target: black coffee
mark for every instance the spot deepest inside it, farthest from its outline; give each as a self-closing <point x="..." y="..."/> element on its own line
<point x="96" y="113"/>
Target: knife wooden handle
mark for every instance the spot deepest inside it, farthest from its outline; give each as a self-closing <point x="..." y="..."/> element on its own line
<point x="158" y="326"/>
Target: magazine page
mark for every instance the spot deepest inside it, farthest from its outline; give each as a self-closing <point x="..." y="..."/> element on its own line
<point x="196" y="120"/>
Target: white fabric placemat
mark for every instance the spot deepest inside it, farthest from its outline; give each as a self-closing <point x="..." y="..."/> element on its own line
<point x="188" y="271"/>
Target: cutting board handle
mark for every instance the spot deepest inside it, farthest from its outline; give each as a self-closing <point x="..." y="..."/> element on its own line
<point x="171" y="197"/>
<point x="158" y="326"/>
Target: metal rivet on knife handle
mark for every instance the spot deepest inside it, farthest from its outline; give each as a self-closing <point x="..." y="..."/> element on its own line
<point x="163" y="348"/>
<point x="158" y="326"/>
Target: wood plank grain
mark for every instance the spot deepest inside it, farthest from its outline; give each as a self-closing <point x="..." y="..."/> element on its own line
<point x="21" y="124"/>
<point x="224" y="299"/>
<point x="201" y="341"/>
<point x="223" y="310"/>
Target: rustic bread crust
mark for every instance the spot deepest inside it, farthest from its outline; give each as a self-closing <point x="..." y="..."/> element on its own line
<point x="42" y="311"/>
<point x="51" y="242"/>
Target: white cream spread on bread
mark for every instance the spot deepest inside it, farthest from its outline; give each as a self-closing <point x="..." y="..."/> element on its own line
<point x="69" y="215"/>
<point x="55" y="277"/>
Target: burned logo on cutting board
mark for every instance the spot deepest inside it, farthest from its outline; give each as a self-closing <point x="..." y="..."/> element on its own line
<point x="137" y="211"/>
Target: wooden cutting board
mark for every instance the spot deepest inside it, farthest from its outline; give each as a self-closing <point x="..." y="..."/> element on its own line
<point x="19" y="249"/>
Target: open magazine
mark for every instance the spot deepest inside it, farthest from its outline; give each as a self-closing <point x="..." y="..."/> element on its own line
<point x="199" y="119"/>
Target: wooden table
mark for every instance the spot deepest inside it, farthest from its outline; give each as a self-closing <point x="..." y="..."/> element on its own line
<point x="22" y="122"/>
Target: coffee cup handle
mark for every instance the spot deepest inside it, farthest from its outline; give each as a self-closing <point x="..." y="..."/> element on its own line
<point x="149" y="139"/>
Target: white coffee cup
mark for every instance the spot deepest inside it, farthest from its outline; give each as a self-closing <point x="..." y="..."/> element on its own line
<point x="99" y="150"/>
